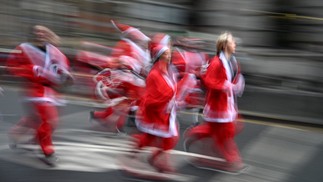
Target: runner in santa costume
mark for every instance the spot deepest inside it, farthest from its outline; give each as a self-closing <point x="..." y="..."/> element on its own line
<point x="132" y="50"/>
<point x="44" y="67"/>
<point x="132" y="56"/>
<point x="121" y="90"/>
<point x="188" y="58"/>
<point x="188" y="80"/>
<point x="156" y="115"/>
<point x="224" y="82"/>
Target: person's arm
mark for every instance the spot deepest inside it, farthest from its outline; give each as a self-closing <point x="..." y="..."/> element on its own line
<point x="238" y="82"/>
<point x="18" y="65"/>
<point x="185" y="86"/>
<point x="214" y="77"/>
<point x="156" y="93"/>
<point x="58" y="72"/>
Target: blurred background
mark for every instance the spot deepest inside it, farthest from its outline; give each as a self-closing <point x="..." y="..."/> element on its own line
<point x="280" y="45"/>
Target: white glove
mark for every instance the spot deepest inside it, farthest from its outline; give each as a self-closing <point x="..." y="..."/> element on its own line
<point x="238" y="88"/>
<point x="46" y="74"/>
<point x="227" y="86"/>
<point x="38" y="70"/>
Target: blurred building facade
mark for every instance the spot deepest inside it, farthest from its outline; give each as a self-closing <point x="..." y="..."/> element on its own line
<point x="280" y="42"/>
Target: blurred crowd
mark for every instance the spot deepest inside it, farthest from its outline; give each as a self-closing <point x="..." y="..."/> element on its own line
<point x="151" y="77"/>
<point x="148" y="74"/>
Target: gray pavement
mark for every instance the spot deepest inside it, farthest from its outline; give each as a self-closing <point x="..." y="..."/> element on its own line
<point x="275" y="153"/>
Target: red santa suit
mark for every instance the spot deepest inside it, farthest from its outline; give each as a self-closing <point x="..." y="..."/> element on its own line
<point x="220" y="111"/>
<point x="223" y="86"/>
<point x="156" y="115"/>
<point x="43" y="70"/>
<point x="132" y="57"/>
<point x="121" y="89"/>
<point x="128" y="51"/>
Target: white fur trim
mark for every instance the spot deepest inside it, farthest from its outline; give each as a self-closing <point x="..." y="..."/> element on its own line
<point x="160" y="52"/>
<point x="149" y="128"/>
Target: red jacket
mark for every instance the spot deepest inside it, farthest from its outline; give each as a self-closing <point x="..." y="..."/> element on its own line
<point x="156" y="112"/>
<point x="220" y="99"/>
<point x="39" y="69"/>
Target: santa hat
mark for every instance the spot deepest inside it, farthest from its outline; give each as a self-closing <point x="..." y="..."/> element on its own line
<point x="159" y="39"/>
<point x="157" y="51"/>
<point x="129" y="31"/>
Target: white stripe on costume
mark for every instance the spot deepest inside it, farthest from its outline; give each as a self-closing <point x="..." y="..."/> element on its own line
<point x="34" y="54"/>
<point x="57" y="102"/>
<point x="151" y="129"/>
<point x="225" y="63"/>
<point x="223" y="117"/>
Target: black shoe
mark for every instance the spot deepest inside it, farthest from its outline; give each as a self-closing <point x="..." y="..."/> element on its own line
<point x="91" y="116"/>
<point x="12" y="142"/>
<point x="51" y="159"/>
<point x="131" y="121"/>
<point x="195" y="124"/>
<point x="132" y="155"/>
<point x="13" y="146"/>
<point x="32" y="141"/>
<point x="120" y="131"/>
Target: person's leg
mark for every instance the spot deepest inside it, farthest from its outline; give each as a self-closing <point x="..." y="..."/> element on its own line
<point x="18" y="130"/>
<point x="154" y="155"/>
<point x="196" y="133"/>
<point x="49" y="118"/>
<point x="223" y="136"/>
<point x="123" y="110"/>
<point x="195" y="117"/>
<point x="141" y="140"/>
<point x="239" y="125"/>
<point x="164" y="145"/>
<point x="25" y="126"/>
<point x="160" y="158"/>
<point x="102" y="114"/>
<point x="145" y="140"/>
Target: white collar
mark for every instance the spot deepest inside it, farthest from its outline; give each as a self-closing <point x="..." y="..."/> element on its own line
<point x="225" y="63"/>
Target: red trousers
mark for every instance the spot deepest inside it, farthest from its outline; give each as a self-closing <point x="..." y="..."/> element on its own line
<point x="223" y="136"/>
<point x="121" y="110"/>
<point x="43" y="118"/>
<point x="145" y="140"/>
<point x="103" y="114"/>
<point x="162" y="144"/>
